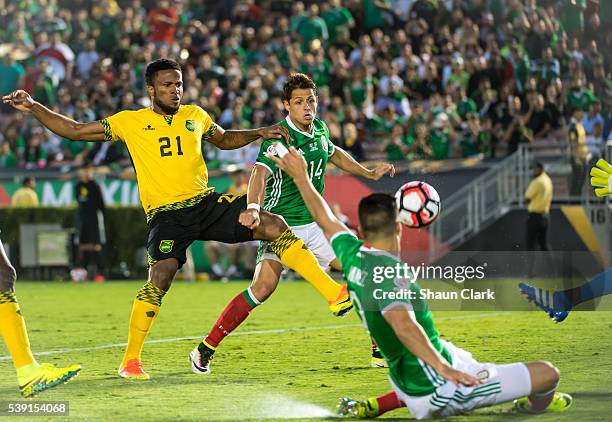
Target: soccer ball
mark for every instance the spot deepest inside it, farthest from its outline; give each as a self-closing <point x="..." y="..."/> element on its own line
<point x="418" y="204"/>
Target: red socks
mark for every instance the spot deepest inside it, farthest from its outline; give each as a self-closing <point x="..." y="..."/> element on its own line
<point x="388" y="402"/>
<point x="232" y="316"/>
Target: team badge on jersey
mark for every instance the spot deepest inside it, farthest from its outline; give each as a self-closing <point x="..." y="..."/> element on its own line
<point x="324" y="143"/>
<point x="190" y="125"/>
<point x="166" y="246"/>
<point x="271" y="150"/>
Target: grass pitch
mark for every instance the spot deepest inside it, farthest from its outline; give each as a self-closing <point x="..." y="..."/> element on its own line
<point x="291" y="359"/>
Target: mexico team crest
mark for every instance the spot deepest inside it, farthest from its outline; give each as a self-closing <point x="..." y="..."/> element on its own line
<point x="190" y="125"/>
<point x="324" y="143"/>
<point x="166" y="246"/>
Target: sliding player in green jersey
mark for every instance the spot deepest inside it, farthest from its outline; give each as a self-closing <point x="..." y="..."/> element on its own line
<point x="271" y="189"/>
<point x="430" y="376"/>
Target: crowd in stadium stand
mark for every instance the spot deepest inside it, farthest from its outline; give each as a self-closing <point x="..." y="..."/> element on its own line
<point x="397" y="79"/>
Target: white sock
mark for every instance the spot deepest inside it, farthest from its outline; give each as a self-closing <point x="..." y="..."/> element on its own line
<point x="217" y="269"/>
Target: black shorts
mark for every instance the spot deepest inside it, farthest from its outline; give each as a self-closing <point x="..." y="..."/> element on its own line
<point x="215" y="217"/>
<point x="91" y="228"/>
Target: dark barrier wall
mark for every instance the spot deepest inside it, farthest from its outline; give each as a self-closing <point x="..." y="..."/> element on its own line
<point x="125" y="227"/>
<point x="502" y="247"/>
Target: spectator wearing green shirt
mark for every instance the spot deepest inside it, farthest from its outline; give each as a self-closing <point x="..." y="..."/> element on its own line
<point x="441" y="137"/>
<point x="579" y="97"/>
<point x="520" y="67"/>
<point x="360" y="89"/>
<point x="298" y="15"/>
<point x="458" y="76"/>
<point x="312" y="27"/>
<point x="572" y="16"/>
<point x="375" y="13"/>
<point x="11" y="75"/>
<point x="466" y="104"/>
<point x="395" y="146"/>
<point x="418" y="144"/>
<point x="469" y="136"/>
<point x="8" y="159"/>
<point x="337" y="19"/>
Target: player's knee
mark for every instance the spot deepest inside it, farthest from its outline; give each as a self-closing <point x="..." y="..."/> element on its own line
<point x="550" y="374"/>
<point x="262" y="291"/>
<point x="554" y="373"/>
<point x="163" y="272"/>
<point x="8" y="276"/>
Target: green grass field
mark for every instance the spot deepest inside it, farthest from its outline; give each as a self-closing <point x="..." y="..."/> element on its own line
<point x="291" y="359"/>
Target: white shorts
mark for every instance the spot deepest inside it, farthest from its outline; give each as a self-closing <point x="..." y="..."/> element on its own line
<point x="312" y="235"/>
<point x="503" y="383"/>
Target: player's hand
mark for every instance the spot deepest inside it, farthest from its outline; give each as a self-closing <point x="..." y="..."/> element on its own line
<point x="379" y="171"/>
<point x="458" y="377"/>
<point x="19" y="99"/>
<point x="291" y="163"/>
<point x="275" y="132"/>
<point x="601" y="178"/>
<point x="249" y="218"/>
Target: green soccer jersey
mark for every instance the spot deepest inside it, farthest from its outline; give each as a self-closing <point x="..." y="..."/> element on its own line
<point x="282" y="196"/>
<point x="374" y="291"/>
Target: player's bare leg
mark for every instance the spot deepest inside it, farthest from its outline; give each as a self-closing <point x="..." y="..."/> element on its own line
<point x="32" y="377"/>
<point x="294" y="254"/>
<point x="145" y="309"/>
<point x="265" y="281"/>
<point x="544" y="397"/>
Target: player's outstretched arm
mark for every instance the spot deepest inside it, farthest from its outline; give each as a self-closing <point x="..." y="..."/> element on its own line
<point x="344" y="161"/>
<point x="411" y="334"/>
<point x="255" y="196"/>
<point x="601" y="178"/>
<point x="57" y="123"/>
<point x="294" y="165"/>
<point x="234" y="139"/>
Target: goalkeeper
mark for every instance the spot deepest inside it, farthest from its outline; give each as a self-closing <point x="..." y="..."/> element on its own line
<point x="563" y="301"/>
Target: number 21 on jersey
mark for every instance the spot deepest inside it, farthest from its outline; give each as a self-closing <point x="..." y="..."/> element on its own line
<point x="165" y="147"/>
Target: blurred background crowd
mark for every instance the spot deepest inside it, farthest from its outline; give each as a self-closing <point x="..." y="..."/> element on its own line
<point x="397" y="79"/>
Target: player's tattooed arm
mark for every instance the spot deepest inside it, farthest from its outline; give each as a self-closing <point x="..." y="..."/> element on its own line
<point x="57" y="123"/>
<point x="344" y="161"/>
<point x="411" y="334"/>
<point x="292" y="163"/>
<point x="233" y="139"/>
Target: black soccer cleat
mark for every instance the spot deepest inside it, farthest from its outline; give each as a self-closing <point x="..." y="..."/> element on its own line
<point x="200" y="358"/>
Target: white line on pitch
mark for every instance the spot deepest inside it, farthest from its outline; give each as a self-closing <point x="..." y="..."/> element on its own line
<point x="240" y="333"/>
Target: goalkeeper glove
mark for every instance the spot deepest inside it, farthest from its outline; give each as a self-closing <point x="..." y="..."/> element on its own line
<point x="601" y="178"/>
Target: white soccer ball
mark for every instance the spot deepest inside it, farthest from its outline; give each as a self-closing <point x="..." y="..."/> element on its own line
<point x="418" y="204"/>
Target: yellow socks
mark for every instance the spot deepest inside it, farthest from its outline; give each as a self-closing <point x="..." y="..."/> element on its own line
<point x="296" y="255"/>
<point x="13" y="331"/>
<point x="144" y="311"/>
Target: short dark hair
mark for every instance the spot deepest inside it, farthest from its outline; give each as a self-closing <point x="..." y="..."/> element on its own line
<point x="378" y="215"/>
<point x="27" y="180"/>
<point x="297" y="81"/>
<point x="538" y="165"/>
<point x="157" y="65"/>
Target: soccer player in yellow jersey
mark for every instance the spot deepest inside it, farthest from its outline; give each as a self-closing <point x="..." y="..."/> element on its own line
<point x="32" y="377"/>
<point x="165" y="144"/>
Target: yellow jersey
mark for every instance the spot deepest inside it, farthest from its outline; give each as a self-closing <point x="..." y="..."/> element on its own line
<point x="25" y="198"/>
<point x="540" y="194"/>
<point x="166" y="152"/>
